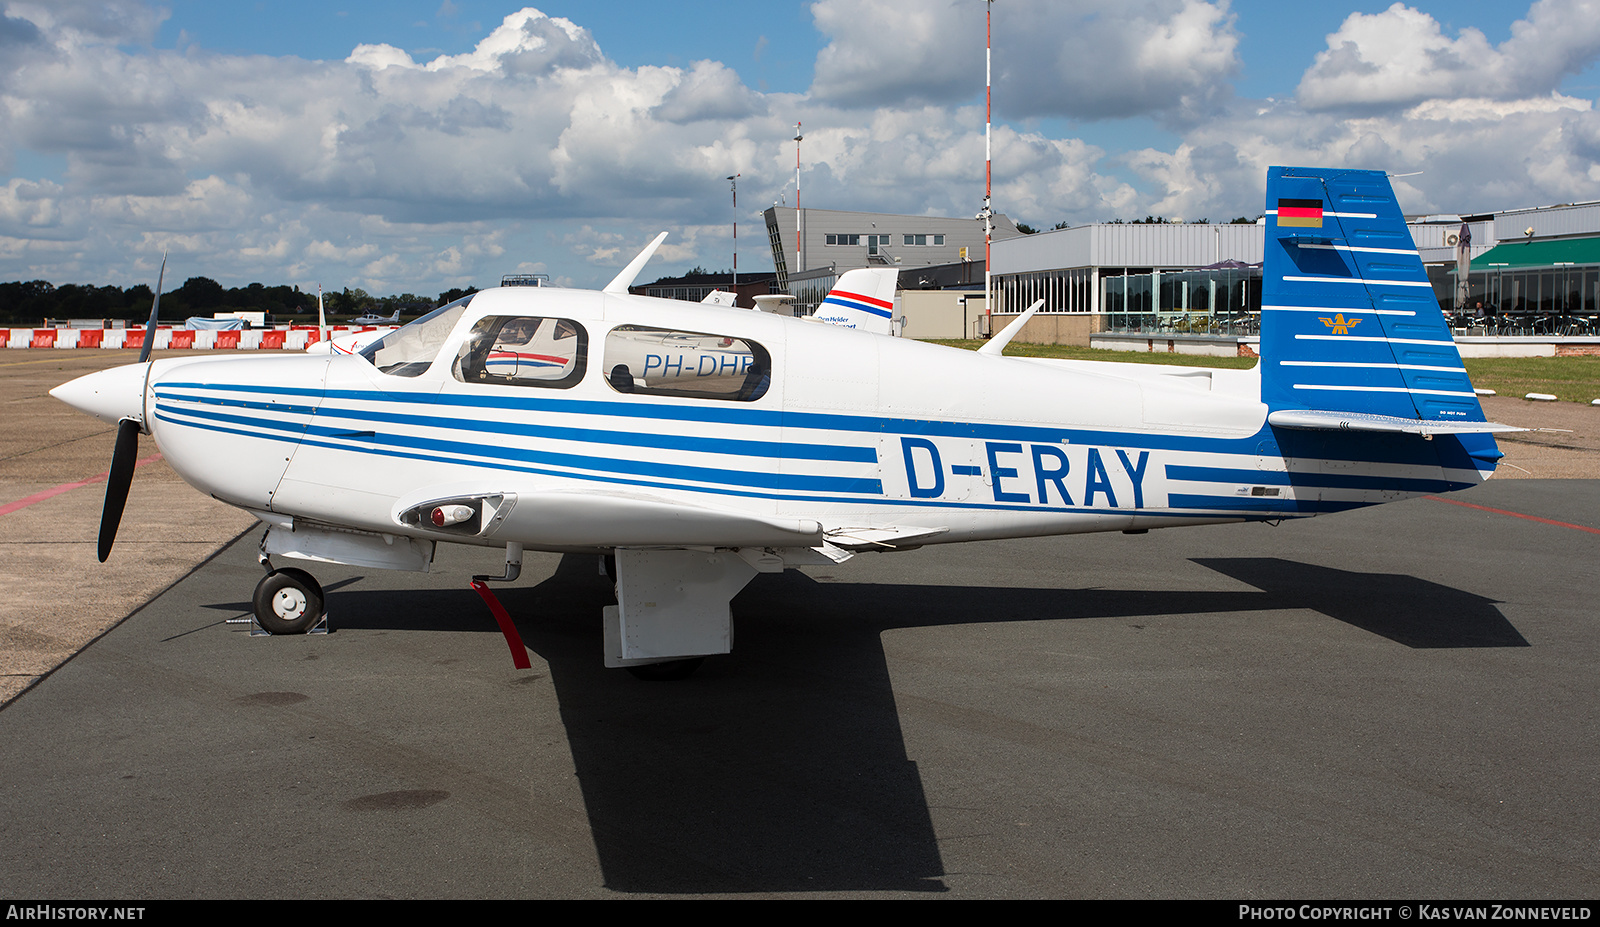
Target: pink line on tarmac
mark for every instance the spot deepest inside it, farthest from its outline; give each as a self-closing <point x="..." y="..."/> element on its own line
<point x="1547" y="521"/>
<point x="53" y="491"/>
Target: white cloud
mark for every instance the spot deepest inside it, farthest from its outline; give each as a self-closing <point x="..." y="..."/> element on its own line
<point x="883" y="53"/>
<point x="709" y="91"/>
<point x="328" y="251"/>
<point x="527" y="124"/>
<point x="378" y="57"/>
<point x="1473" y="154"/>
<point x="528" y="42"/>
<point x="121" y="22"/>
<point x="392" y="172"/>
<point x="1089" y="59"/>
<point x="28" y="209"/>
<point x="1400" y="57"/>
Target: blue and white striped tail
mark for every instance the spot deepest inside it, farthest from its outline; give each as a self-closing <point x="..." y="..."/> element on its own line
<point x="1349" y="322"/>
<point x="1352" y="338"/>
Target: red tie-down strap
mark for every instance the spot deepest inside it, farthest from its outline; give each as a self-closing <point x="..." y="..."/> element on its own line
<point x="519" y="653"/>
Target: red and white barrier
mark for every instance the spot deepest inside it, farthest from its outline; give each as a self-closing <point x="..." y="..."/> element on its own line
<point x="294" y="338"/>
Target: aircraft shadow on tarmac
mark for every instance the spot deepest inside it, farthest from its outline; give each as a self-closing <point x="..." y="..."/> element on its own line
<point x="1405" y="609"/>
<point x="785" y="768"/>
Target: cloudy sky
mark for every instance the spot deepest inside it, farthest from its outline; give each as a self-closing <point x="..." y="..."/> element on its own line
<point x="418" y="145"/>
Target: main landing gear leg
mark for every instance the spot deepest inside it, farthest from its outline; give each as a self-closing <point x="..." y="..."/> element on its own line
<point x="672" y="607"/>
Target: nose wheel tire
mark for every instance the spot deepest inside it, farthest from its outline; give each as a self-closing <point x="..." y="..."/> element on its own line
<point x="288" y="601"/>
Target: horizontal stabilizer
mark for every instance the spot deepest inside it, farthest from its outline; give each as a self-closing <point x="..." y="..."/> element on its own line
<point x="1323" y="420"/>
<point x="776" y="303"/>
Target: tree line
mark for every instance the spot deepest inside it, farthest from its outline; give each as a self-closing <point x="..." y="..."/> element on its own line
<point x="31" y="302"/>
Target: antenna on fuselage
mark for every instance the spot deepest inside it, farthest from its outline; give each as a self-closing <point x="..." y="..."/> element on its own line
<point x="621" y="282"/>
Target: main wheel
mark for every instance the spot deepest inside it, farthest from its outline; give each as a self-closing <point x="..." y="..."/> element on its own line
<point x="667" y="671"/>
<point x="288" y="601"/>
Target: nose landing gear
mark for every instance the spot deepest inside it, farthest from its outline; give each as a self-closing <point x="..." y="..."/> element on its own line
<point x="288" y="601"/>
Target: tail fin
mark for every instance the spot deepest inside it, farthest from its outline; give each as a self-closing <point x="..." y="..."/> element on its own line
<point x="862" y="299"/>
<point x="1349" y="320"/>
<point x="1352" y="337"/>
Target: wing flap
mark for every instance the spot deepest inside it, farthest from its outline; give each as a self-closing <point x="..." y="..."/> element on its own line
<point x="891" y="538"/>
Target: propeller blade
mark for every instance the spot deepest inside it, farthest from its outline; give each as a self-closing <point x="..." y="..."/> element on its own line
<point x="117" y="483"/>
<point x="144" y="352"/>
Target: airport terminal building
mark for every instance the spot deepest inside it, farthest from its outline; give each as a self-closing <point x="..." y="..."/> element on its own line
<point x="1534" y="272"/>
<point x="1130" y="276"/>
<point x="812" y="247"/>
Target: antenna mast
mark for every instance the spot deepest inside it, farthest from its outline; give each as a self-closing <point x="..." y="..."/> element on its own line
<point x="988" y="174"/>
<point x="734" y="179"/>
<point x="797" y="138"/>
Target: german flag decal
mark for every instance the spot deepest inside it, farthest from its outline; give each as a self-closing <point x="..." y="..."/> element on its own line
<point x="1302" y="213"/>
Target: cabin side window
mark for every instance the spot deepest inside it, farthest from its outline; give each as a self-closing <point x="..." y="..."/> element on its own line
<point x="695" y="365"/>
<point x="523" y="351"/>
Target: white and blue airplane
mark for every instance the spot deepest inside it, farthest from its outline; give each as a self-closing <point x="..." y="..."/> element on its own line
<point x="699" y="445"/>
<point x="372" y="318"/>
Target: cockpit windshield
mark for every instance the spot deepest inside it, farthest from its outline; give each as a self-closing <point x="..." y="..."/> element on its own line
<point x="410" y="350"/>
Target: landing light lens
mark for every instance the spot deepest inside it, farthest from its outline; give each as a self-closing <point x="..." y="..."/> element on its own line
<point x="445" y="515"/>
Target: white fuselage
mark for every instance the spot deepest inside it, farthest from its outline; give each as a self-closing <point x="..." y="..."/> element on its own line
<point x="851" y="430"/>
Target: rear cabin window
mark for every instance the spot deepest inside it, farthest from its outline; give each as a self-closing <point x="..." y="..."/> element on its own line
<point x="696" y="365"/>
<point x="523" y="351"/>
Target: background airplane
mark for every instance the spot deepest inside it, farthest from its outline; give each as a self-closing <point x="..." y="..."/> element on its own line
<point x="808" y="443"/>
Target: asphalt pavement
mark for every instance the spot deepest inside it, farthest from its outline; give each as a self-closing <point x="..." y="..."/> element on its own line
<point x="1395" y="702"/>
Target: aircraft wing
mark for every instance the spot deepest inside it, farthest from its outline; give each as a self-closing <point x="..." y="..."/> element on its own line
<point x="561" y="519"/>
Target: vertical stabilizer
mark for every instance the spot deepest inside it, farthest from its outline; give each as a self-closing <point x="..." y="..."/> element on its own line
<point x="862" y="299"/>
<point x="1349" y="322"/>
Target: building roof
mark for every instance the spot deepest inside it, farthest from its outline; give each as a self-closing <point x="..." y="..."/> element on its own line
<point x="1539" y="253"/>
<point x="1129" y="244"/>
<point x="719" y="278"/>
